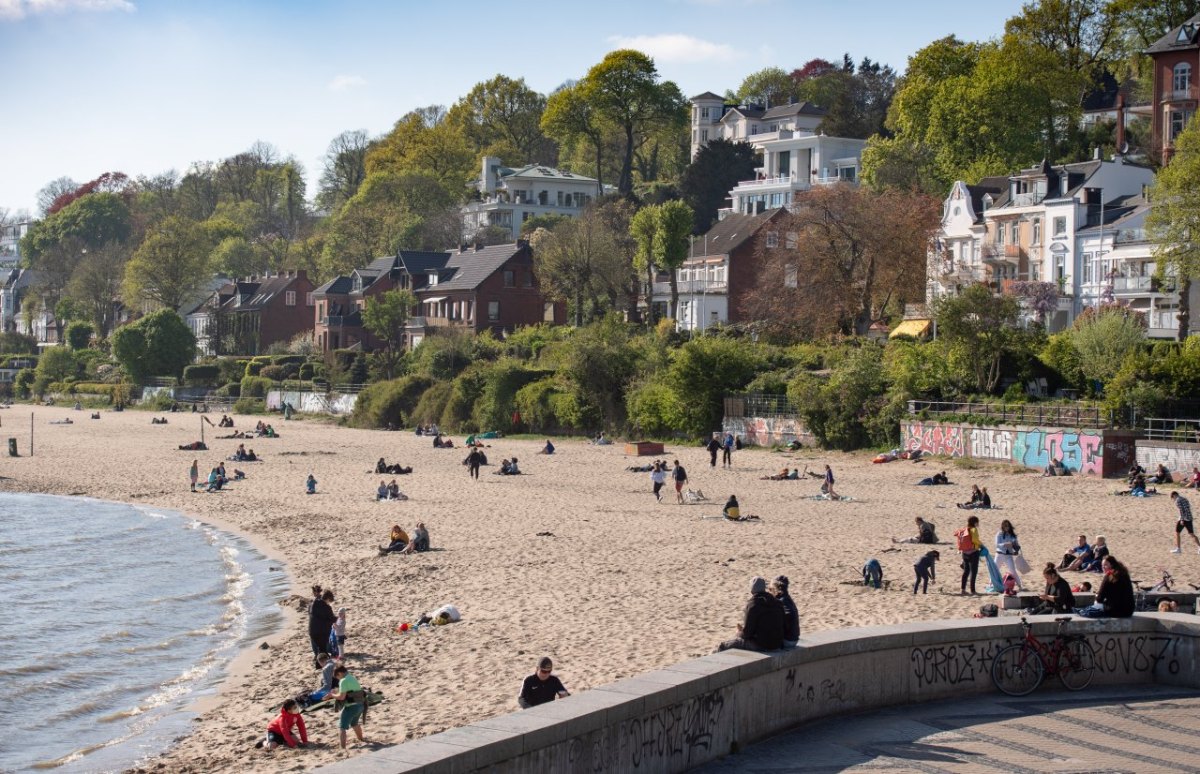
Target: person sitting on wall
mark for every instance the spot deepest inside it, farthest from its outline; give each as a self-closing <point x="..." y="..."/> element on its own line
<point x="763" y="622"/>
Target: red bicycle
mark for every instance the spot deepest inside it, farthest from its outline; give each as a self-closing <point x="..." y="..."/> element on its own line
<point x="1019" y="669"/>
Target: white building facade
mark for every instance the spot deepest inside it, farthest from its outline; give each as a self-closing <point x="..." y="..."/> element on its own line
<point x="509" y="197"/>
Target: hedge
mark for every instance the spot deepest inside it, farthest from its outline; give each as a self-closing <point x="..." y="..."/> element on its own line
<point x="231" y="390"/>
<point x="255" y="387"/>
<point x="255" y="366"/>
<point x="389" y="403"/>
<point x="288" y="360"/>
<point x="278" y="373"/>
<point x="202" y="375"/>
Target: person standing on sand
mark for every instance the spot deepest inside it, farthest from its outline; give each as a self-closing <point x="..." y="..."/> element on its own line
<point x="969" y="545"/>
<point x="827" y="487"/>
<point x="727" y="453"/>
<point x="1184" y="522"/>
<point x="320" y="622"/>
<point x="310" y="486"/>
<point x="658" y="476"/>
<point x="473" y="460"/>
<point x="679" y="475"/>
<point x="713" y="447"/>
<point x="194" y="473"/>
<point x="350" y="691"/>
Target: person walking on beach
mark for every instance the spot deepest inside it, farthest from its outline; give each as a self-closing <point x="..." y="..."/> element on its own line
<point x="727" y="451"/>
<point x="473" y="461"/>
<point x="658" y="476"/>
<point x="350" y="691"/>
<point x="1184" y="522"/>
<point x="320" y="622"/>
<point x="969" y="545"/>
<point x="714" y="446"/>
<point x="194" y="473"/>
<point x="541" y="687"/>
<point x="1007" y="551"/>
<point x="827" y="487"/>
<point x="679" y="475"/>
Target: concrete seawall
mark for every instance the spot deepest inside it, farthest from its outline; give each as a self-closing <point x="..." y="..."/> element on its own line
<point x="672" y="719"/>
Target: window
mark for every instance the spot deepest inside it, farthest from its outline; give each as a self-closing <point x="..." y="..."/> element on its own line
<point x="493" y="311"/>
<point x="1037" y="231"/>
<point x="1060" y="227"/>
<point x="847" y="174"/>
<point x="543" y="197"/>
<point x="560" y="198"/>
<point x="790" y="240"/>
<point x="703" y="135"/>
<point x="1060" y="267"/>
<point x="1014" y="232"/>
<point x="1181" y="77"/>
<point x="791" y="277"/>
<point x="289" y="298"/>
<point x="772" y="239"/>
<point x="1086" y="260"/>
<point x="433" y="278"/>
<point x="526" y="279"/>
<point x="999" y="233"/>
<point x="1179" y="119"/>
<point x="704" y="112"/>
<point x="510" y="280"/>
<point x="548" y="312"/>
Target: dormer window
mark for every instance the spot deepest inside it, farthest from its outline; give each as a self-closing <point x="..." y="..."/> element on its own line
<point x="1186" y="33"/>
<point x="433" y="278"/>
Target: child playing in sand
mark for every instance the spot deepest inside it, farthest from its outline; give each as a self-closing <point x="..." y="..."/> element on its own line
<point x="925" y="570"/>
<point x="279" y="731"/>
<point x="310" y="486"/>
<point x="339" y="630"/>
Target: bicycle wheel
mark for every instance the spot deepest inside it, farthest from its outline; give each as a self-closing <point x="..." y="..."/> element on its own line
<point x="1017" y="670"/>
<point x="1076" y="664"/>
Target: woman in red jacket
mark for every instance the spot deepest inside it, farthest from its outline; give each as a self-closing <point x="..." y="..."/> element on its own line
<point x="280" y="729"/>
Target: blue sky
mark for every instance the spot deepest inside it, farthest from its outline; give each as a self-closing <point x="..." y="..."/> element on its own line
<point x="142" y="86"/>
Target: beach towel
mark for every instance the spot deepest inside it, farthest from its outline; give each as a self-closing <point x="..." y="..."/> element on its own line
<point x="993" y="570"/>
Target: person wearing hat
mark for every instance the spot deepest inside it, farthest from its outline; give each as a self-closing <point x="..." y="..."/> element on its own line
<point x="763" y="623"/>
<point x="791" y="616"/>
<point x="542" y="686"/>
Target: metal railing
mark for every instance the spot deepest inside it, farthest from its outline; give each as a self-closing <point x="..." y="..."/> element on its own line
<point x="759" y="404"/>
<point x="1179" y="430"/>
<point x="1085" y="415"/>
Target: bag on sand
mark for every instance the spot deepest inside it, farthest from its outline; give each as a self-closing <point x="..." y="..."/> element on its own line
<point x="988" y="611"/>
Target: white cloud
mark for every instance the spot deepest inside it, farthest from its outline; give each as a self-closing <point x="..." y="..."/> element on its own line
<point x="677" y="47"/>
<point x="344" y="82"/>
<point x="14" y="10"/>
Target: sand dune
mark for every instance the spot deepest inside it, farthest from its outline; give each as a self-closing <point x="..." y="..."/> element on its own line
<point x="621" y="585"/>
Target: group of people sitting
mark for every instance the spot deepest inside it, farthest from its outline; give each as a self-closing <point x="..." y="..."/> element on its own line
<point x="442" y="443"/>
<point x="263" y="430"/>
<point x="601" y="439"/>
<point x="226" y="421"/>
<point x="241" y="455"/>
<point x="509" y="468"/>
<point x="428" y="430"/>
<point x="389" y="491"/>
<point x="783" y="475"/>
<point x="1056" y="468"/>
<point x="937" y="479"/>
<point x="382" y="467"/>
<point x="979" y="499"/>
<point x="1137" y="480"/>
<point x="217" y="479"/>
<point x="400" y="543"/>
<point x="770" y="620"/>
<point x="1085" y="558"/>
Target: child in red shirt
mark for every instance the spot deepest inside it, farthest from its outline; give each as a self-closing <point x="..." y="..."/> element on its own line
<point x="280" y="729"/>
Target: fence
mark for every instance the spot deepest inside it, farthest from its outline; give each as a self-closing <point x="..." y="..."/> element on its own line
<point x="1089" y="416"/>
<point x="1179" y="430"/>
<point x="759" y="404"/>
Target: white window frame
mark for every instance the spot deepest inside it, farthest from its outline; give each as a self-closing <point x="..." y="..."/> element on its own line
<point x="289" y="298"/>
<point x="493" y="311"/>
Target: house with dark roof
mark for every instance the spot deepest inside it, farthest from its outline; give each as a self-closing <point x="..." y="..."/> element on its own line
<point x="483" y="288"/>
<point x="955" y="260"/>
<point x="719" y="274"/>
<point x="19" y="287"/>
<point x="338" y="304"/>
<point x="260" y="311"/>
<point x="508" y="197"/>
<point x="1175" y="94"/>
<point x="201" y="310"/>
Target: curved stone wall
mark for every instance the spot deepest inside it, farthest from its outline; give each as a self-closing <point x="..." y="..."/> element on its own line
<point x="673" y="719"/>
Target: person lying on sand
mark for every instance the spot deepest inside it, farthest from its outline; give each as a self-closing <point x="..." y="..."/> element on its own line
<point x="193" y="446"/>
<point x="937" y="479"/>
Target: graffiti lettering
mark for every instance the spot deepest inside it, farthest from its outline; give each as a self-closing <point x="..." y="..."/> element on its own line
<point x="1178" y="458"/>
<point x="674" y="730"/>
<point x="1137" y="653"/>
<point x="768" y="431"/>
<point x="951" y="664"/>
<point x="933" y="438"/>
<point x="992" y="444"/>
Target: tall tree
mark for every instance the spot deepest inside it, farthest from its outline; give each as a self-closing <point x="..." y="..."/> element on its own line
<point x="580" y="262"/>
<point x="673" y="224"/>
<point x="981" y="327"/>
<point x="767" y="87"/>
<point x="571" y="118"/>
<point x="385" y="316"/>
<point x="51" y="191"/>
<point x="170" y="265"/>
<point x="1174" y="221"/>
<point x="159" y="344"/>
<point x="95" y="284"/>
<point x="344" y="170"/>
<point x="424" y="142"/>
<point x="625" y="89"/>
<point x="844" y="258"/>
<point x="706" y="183"/>
<point x="502" y="117"/>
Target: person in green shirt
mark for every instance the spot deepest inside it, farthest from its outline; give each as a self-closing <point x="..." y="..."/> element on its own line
<point x="349" y="691"/>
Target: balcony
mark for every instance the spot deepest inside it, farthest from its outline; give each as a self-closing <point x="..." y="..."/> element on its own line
<point x="1028" y="199"/>
<point x="783" y="181"/>
<point x="1134" y="286"/>
<point x="1002" y="255"/>
<point x="1189" y="94"/>
<point x="692" y="287"/>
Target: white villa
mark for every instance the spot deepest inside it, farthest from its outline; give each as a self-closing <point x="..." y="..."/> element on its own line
<point x="509" y="197"/>
<point x="795" y="157"/>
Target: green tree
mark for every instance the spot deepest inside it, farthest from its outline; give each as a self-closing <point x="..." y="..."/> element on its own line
<point x="385" y="316"/>
<point x="79" y="334"/>
<point x="345" y="169"/>
<point x="706" y="183"/>
<point x="768" y="87"/>
<point x="88" y="222"/>
<point x="703" y="371"/>
<point x="423" y="142"/>
<point x="95" y="285"/>
<point x="625" y="90"/>
<point x="502" y="117"/>
<point x="159" y="344"/>
<point x="981" y="327"/>
<point x="170" y="265"/>
<point x="673" y="224"/>
<point x="56" y="364"/>
<point x="580" y="262"/>
<point x="572" y="118"/>
<point x="1174" y="221"/>
<point x="1104" y="338"/>
<point x="642" y="228"/>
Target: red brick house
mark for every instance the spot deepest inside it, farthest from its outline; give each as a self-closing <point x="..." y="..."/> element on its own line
<point x="264" y="311"/>
<point x="483" y="288"/>
<point x="1176" y="58"/>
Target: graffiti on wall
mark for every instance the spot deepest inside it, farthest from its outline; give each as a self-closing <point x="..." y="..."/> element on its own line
<point x="933" y="438"/>
<point x="768" y="431"/>
<point x="312" y="402"/>
<point x="1081" y="451"/>
<point x="1179" y="458"/>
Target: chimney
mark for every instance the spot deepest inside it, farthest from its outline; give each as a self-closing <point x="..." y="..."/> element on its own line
<point x="1120" y="125"/>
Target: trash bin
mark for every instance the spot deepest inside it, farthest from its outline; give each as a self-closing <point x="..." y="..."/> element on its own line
<point x="12" y="447"/>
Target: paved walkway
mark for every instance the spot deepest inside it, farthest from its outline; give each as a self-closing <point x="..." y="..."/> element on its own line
<point x="1100" y="730"/>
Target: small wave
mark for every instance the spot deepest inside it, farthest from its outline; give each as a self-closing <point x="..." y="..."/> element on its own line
<point x="114" y="636"/>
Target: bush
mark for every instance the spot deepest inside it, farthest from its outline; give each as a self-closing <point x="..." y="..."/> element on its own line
<point x="255" y="366"/>
<point x="432" y="405"/>
<point x="231" y="390"/>
<point x="389" y="403"/>
<point x="79" y="334"/>
<point x="232" y="369"/>
<point x="502" y="379"/>
<point x="202" y="375"/>
<point x="276" y="373"/>
<point x="468" y="387"/>
<point x="288" y="360"/>
<point x="654" y="409"/>
<point x="249" y="406"/>
<point x="159" y="344"/>
<point x="834" y="409"/>
<point x="56" y="365"/>
<point x="255" y="387"/>
<point x="534" y="401"/>
<point x="307" y="371"/>
<point x="23" y="382"/>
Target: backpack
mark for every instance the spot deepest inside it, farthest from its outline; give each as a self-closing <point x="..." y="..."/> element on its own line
<point x="963" y="538"/>
<point x="989" y="610"/>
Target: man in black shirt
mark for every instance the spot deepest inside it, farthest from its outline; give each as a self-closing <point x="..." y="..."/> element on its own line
<point x="762" y="628"/>
<point x="541" y="686"/>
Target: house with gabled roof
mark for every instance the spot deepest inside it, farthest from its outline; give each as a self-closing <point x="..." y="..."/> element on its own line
<point x="1176" y="89"/>
<point x="261" y="311"/>
<point x="508" y="197"/>
<point x="719" y="274"/>
<point x="483" y="288"/>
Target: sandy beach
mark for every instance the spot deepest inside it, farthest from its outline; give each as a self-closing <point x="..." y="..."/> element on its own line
<point x="615" y="584"/>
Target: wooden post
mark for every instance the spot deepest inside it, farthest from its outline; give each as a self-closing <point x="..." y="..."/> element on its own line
<point x="30" y="433"/>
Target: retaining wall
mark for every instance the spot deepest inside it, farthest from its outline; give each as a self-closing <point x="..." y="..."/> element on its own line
<point x="676" y="718"/>
<point x="768" y="431"/>
<point x="1179" y="458"/>
<point x="1092" y="452"/>
<point x="312" y="402"/>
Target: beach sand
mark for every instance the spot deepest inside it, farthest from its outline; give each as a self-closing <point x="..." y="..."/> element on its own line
<point x="619" y="584"/>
